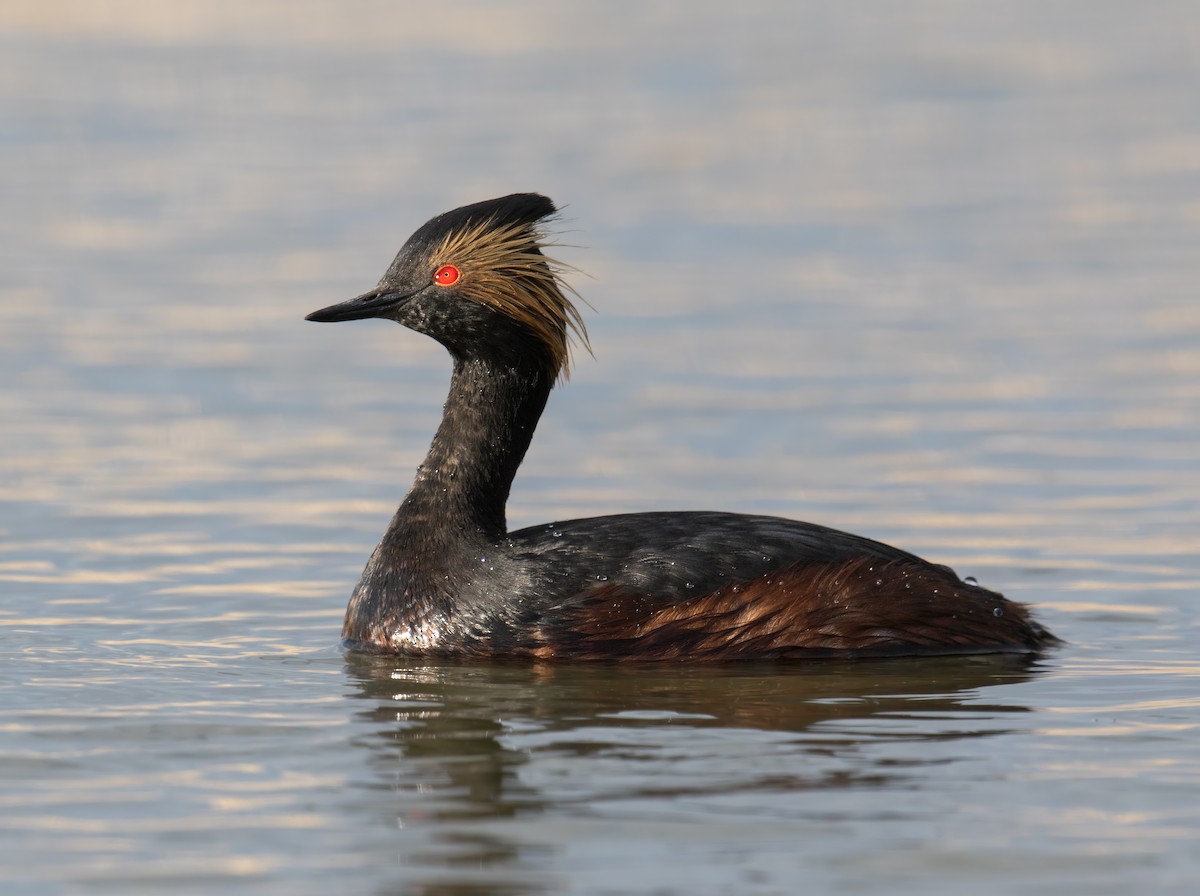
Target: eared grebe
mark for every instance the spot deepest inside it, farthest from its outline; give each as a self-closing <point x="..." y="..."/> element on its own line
<point x="449" y="579"/>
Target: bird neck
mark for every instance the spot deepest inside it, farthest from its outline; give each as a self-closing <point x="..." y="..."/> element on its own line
<point x="488" y="421"/>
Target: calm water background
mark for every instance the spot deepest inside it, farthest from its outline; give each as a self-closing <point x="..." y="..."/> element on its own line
<point x="925" y="271"/>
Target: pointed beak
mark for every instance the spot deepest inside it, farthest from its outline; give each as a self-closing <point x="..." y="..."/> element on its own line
<point x="376" y="303"/>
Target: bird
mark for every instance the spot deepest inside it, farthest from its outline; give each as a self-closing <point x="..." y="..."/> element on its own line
<point x="448" y="579"/>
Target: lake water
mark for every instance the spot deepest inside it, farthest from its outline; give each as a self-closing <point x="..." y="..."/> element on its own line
<point x="923" y="271"/>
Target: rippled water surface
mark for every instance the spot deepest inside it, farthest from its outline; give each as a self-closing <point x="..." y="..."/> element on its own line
<point x="923" y="271"/>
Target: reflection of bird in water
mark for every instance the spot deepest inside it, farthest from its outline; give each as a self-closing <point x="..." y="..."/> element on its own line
<point x="464" y="736"/>
<point x="448" y="578"/>
<point x="445" y="700"/>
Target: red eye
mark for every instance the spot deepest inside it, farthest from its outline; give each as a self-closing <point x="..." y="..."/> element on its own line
<point x="447" y="275"/>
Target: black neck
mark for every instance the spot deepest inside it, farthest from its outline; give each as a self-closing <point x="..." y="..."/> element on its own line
<point x="462" y="486"/>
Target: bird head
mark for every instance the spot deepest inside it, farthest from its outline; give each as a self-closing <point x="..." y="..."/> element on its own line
<point x="476" y="279"/>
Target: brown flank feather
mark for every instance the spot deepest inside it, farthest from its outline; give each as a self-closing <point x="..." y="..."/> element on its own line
<point x="503" y="268"/>
<point x="860" y="607"/>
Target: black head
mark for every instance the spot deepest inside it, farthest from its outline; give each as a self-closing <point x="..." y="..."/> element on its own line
<point x="476" y="280"/>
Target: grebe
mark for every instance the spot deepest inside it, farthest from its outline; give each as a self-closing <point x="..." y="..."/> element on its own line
<point x="449" y="579"/>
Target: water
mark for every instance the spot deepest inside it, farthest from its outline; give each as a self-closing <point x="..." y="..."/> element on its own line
<point x="924" y="272"/>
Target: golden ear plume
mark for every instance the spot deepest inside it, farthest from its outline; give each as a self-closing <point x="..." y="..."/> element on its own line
<point x="504" y="269"/>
